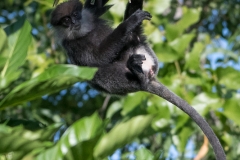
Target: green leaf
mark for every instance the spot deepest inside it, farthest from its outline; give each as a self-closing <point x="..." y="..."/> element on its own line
<point x="204" y="102"/>
<point x="232" y="109"/>
<point x="54" y="79"/>
<point x="153" y="32"/>
<point x="30" y="125"/>
<point x="229" y="77"/>
<point x="190" y="16"/>
<point x="193" y="58"/>
<point x="158" y="6"/>
<point x="180" y="123"/>
<point x="77" y="142"/>
<point x="165" y="53"/>
<point x="121" y="135"/>
<point x="161" y="110"/>
<point x="3" y="60"/>
<point x="144" y="153"/>
<point x="170" y="52"/>
<point x="184" y="135"/>
<point x="172" y="32"/>
<point x="16" y="57"/>
<point x="132" y="101"/>
<point x="3" y="38"/>
<point x="49" y="4"/>
<point x="113" y="108"/>
<point x="21" y="141"/>
<point x="180" y="44"/>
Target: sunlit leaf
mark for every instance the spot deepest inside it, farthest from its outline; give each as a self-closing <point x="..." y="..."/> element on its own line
<point x="132" y="101"/>
<point x="158" y="6"/>
<point x="165" y="53"/>
<point x="77" y="142"/>
<point x="54" y="79"/>
<point x="229" y="77"/>
<point x="113" y="108"/>
<point x="181" y="120"/>
<point x="190" y="16"/>
<point x="172" y="32"/>
<point x="184" y="136"/>
<point x="204" y="102"/>
<point x="193" y="58"/>
<point x="21" y="141"/>
<point x="3" y="38"/>
<point x="180" y="44"/>
<point x="121" y="135"/>
<point x="144" y="153"/>
<point x="232" y="109"/>
<point x="16" y="57"/>
<point x="159" y="107"/>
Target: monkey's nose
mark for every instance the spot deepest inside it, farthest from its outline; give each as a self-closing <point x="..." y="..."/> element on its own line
<point x="73" y="21"/>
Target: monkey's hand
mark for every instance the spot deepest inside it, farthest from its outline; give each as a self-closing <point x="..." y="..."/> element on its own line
<point x="135" y="62"/>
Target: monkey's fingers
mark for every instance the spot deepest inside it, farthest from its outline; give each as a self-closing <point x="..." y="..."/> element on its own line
<point x="148" y="16"/>
<point x="138" y="68"/>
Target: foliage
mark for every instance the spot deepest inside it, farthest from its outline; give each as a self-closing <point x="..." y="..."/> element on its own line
<point x="47" y="110"/>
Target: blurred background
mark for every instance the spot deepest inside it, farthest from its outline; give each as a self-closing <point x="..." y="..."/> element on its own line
<point x="42" y="95"/>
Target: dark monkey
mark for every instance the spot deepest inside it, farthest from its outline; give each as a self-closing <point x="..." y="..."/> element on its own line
<point x="124" y="60"/>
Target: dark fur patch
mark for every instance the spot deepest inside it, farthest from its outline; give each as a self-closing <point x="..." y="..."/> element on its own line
<point x="64" y="9"/>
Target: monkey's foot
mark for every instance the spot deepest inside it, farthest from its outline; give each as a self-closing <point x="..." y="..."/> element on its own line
<point x="142" y="15"/>
<point x="135" y="62"/>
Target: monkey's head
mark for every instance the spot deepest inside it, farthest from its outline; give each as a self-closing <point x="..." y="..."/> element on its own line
<point x="70" y="20"/>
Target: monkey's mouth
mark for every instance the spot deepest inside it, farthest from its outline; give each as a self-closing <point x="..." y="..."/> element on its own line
<point x="75" y="27"/>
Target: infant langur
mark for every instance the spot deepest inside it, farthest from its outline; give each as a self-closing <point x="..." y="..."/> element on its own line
<point x="124" y="60"/>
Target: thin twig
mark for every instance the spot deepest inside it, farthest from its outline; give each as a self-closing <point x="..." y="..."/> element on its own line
<point x="104" y="106"/>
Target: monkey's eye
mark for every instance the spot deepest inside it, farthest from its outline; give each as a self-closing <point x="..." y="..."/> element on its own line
<point x="66" y="21"/>
<point x="76" y="15"/>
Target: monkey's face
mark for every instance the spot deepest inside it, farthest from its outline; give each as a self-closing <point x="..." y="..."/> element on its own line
<point x="71" y="21"/>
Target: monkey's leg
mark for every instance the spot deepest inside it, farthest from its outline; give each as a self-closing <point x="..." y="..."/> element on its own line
<point x="133" y="7"/>
<point x="115" y="42"/>
<point x="136" y="35"/>
<point x="115" y="79"/>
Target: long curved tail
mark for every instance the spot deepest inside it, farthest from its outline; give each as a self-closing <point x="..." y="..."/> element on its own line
<point x="162" y="91"/>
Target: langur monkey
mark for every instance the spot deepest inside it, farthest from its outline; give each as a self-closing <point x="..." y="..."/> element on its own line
<point x="124" y="60"/>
